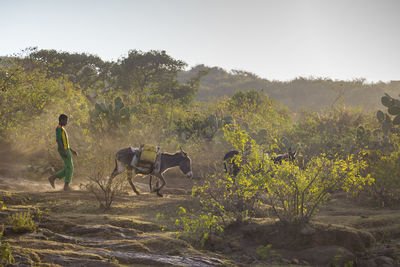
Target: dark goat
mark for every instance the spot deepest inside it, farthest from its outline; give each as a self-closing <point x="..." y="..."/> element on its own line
<point x="232" y="168"/>
<point x="229" y="165"/>
<point x="288" y="155"/>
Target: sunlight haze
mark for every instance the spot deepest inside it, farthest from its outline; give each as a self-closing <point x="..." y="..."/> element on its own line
<point x="277" y="40"/>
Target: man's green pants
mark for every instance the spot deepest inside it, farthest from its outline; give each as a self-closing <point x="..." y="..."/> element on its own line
<point x="69" y="167"/>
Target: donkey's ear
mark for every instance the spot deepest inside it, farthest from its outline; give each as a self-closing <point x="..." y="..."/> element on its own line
<point x="183" y="152"/>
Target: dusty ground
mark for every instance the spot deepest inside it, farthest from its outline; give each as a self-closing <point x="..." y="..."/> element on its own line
<point x="140" y="231"/>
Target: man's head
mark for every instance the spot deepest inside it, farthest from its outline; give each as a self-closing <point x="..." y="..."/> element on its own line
<point x="63" y="119"/>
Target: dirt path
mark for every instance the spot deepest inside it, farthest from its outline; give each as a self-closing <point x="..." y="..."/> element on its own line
<point x="72" y="231"/>
<point x="140" y="231"/>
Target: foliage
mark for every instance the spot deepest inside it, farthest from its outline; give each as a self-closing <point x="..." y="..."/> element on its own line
<point x="200" y="126"/>
<point x="3" y="207"/>
<point x="82" y="69"/>
<point x="29" y="102"/>
<point x="22" y="222"/>
<point x="145" y="71"/>
<point x="5" y="252"/>
<point x="108" y="117"/>
<point x="303" y="92"/>
<point x="385" y="168"/>
<point x="266" y="252"/>
<point x="235" y="197"/>
<point x="388" y="125"/>
<point x="333" y="133"/>
<point x="257" y="112"/>
<point x="296" y="193"/>
<point x="195" y="227"/>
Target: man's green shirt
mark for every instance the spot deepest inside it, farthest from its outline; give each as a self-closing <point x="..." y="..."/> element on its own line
<point x="61" y="135"/>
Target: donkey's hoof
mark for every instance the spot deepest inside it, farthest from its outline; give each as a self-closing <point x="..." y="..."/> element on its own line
<point x="137" y="193"/>
<point x="159" y="194"/>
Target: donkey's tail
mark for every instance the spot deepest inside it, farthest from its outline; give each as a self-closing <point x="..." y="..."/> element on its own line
<point x="116" y="165"/>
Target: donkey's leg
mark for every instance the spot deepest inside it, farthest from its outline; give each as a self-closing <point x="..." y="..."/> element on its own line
<point x="151" y="178"/>
<point x="131" y="182"/>
<point x="119" y="167"/>
<point x="163" y="183"/>
<point x="157" y="184"/>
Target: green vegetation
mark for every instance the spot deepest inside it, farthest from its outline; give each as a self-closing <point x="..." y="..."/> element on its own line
<point x="313" y="92"/>
<point x="148" y="98"/>
<point x="5" y="251"/>
<point x="22" y="222"/>
<point x="265" y="252"/>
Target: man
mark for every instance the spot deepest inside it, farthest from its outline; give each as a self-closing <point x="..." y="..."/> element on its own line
<point x="65" y="152"/>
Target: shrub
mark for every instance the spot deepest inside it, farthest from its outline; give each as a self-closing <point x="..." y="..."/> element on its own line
<point x="235" y="197"/>
<point x="5" y="252"/>
<point x="100" y="186"/>
<point x="385" y="168"/>
<point x="294" y="193"/>
<point x="197" y="228"/>
<point x="266" y="251"/>
<point x="22" y="222"/>
<point x="333" y="132"/>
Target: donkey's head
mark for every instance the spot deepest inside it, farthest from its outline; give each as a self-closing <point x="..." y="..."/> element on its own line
<point x="185" y="164"/>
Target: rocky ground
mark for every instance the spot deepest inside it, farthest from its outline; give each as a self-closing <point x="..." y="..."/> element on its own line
<point x="140" y="231"/>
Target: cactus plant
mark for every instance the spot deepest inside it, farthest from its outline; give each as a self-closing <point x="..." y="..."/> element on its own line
<point x="112" y="114"/>
<point x="393" y="109"/>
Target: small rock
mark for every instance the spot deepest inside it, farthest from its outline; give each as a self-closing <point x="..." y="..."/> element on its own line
<point x="303" y="262"/>
<point x="235" y="245"/>
<point x="307" y="230"/>
<point x="247" y="259"/>
<point x="295" y="261"/>
<point x="367" y="263"/>
<point x="227" y="250"/>
<point x="215" y="242"/>
<point x="384" y="261"/>
<point x="386" y="251"/>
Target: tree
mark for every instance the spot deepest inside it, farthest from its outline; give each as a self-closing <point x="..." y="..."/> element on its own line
<point x="142" y="72"/>
<point x="82" y="69"/>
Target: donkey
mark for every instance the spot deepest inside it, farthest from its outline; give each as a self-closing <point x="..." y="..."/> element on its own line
<point x="233" y="169"/>
<point x="123" y="159"/>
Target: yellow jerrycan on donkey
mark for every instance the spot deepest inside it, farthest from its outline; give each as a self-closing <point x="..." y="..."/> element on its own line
<point x="147" y="157"/>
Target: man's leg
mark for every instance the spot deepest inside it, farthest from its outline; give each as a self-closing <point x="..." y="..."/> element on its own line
<point x="66" y="172"/>
<point x="69" y="170"/>
<point x="60" y="174"/>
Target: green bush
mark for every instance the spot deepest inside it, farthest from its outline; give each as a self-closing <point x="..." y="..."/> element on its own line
<point x="294" y="193"/>
<point x="385" y="168"/>
<point x="265" y="252"/>
<point x="197" y="228"/>
<point x="333" y="132"/>
<point x="22" y="222"/>
<point x="5" y="252"/>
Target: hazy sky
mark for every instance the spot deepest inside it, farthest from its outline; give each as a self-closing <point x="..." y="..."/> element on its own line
<point x="277" y="40"/>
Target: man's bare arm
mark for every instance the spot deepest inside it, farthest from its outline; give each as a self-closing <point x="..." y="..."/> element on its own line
<point x="74" y="151"/>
